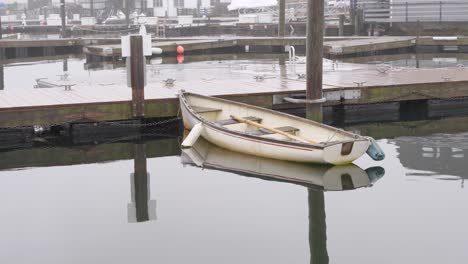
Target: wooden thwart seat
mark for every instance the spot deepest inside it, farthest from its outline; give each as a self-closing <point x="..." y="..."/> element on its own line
<point x="231" y="121"/>
<point x="201" y="109"/>
<point x="264" y="132"/>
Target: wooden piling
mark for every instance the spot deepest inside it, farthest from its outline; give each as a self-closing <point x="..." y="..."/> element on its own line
<point x="62" y="14"/>
<point x="282" y="18"/>
<point x="65" y="65"/>
<point x="137" y="75"/>
<point x="127" y="12"/>
<point x="2" y="51"/>
<point x="314" y="64"/>
<point x="314" y="46"/>
<point x="91" y="8"/>
<point x="341" y="26"/>
<point x="372" y="30"/>
<point x="2" y="78"/>
<point x="359" y="22"/>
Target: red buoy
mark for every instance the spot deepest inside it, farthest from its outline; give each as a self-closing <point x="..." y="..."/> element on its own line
<point x="180" y="50"/>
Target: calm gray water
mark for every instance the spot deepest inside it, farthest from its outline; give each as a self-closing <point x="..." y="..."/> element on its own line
<point x="84" y="213"/>
<point x="81" y="204"/>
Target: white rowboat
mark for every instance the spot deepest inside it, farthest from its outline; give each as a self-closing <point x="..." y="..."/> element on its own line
<point x="270" y="134"/>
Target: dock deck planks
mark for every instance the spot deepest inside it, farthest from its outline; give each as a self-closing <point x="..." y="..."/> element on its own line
<point x="23" y="106"/>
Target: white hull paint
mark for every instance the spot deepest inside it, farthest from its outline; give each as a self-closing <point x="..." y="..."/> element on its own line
<point x="280" y="149"/>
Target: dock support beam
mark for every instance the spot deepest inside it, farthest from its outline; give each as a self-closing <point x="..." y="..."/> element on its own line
<point x="314" y="54"/>
<point x="317" y="228"/>
<point x="62" y="14"/>
<point x="137" y="75"/>
<point x="282" y="18"/>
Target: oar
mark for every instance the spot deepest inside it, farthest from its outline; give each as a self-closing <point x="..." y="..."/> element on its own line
<point x="255" y="124"/>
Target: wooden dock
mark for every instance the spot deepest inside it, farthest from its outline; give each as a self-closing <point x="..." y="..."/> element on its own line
<point x="343" y="84"/>
<point x="334" y="47"/>
<point x="363" y="46"/>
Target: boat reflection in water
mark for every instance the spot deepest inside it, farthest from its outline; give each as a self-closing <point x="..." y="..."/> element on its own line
<point x="319" y="177"/>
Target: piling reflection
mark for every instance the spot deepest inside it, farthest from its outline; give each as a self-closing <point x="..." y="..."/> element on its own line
<point x="317" y="228"/>
<point x="142" y="208"/>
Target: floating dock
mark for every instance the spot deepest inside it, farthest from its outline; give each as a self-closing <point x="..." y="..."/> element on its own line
<point x="344" y="84"/>
<point x="334" y="47"/>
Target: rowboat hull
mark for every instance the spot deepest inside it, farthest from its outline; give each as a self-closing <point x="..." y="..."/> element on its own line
<point x="273" y="148"/>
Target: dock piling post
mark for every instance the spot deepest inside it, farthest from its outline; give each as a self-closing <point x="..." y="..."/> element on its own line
<point x="2" y="81"/>
<point x="127" y="12"/>
<point x="137" y="75"/>
<point x="65" y="65"/>
<point x="314" y="54"/>
<point x="407" y="12"/>
<point x="341" y="26"/>
<point x="62" y="14"/>
<point x="359" y="21"/>
<point x="2" y="51"/>
<point x="91" y="7"/>
<point x="440" y="11"/>
<point x="282" y="18"/>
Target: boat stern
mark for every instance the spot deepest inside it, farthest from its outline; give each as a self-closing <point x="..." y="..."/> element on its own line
<point x="345" y="152"/>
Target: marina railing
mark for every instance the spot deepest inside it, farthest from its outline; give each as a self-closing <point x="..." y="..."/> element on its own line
<point x="413" y="11"/>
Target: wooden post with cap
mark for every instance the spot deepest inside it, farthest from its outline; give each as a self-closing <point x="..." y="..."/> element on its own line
<point x="63" y="15"/>
<point x="137" y="76"/>
<point x="314" y="54"/>
<point x="282" y="18"/>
